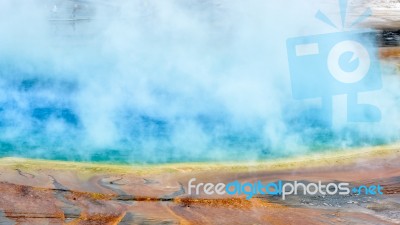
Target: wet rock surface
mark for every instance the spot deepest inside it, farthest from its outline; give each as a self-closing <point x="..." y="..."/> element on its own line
<point x="82" y="194"/>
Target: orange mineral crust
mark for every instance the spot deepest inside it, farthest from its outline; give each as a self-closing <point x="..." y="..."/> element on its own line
<point x="49" y="192"/>
<point x="390" y="52"/>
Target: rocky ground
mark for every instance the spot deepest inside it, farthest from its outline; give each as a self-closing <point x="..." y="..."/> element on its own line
<point x="48" y="192"/>
<point x="385" y="13"/>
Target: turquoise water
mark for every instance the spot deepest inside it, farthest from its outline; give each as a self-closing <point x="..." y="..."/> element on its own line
<point x="27" y="131"/>
<point x="159" y="82"/>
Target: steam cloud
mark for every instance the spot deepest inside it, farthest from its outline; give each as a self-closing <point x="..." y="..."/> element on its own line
<point x="162" y="81"/>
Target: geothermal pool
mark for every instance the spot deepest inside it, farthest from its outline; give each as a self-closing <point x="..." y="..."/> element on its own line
<point x="110" y="109"/>
<point x="165" y="82"/>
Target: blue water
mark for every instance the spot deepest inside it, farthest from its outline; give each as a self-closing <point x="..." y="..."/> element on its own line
<point x="30" y="106"/>
<point x="158" y="82"/>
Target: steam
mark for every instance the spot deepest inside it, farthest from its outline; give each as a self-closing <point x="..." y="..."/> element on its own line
<point x="162" y="81"/>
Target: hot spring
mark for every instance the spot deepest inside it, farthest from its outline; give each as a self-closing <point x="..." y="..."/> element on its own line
<point x="165" y="81"/>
